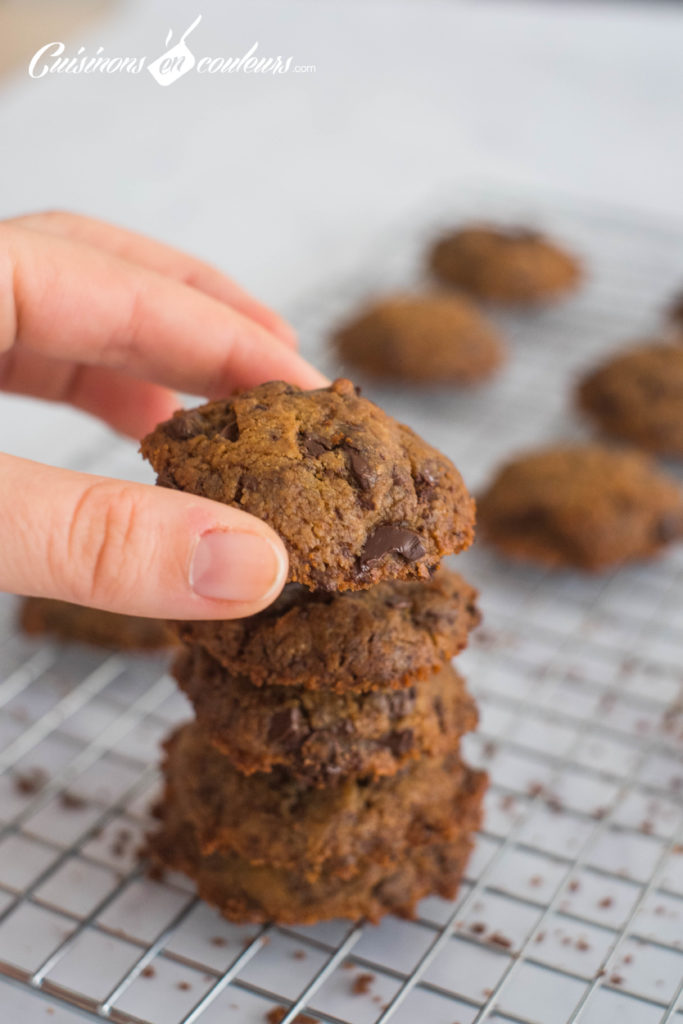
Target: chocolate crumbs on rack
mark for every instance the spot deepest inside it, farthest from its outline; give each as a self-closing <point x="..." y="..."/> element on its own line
<point x="275" y="1015"/>
<point x="71" y="801"/>
<point x="362" y="984"/>
<point x="30" y="782"/>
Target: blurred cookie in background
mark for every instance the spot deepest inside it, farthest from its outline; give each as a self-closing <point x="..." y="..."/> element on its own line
<point x="585" y="506"/>
<point x="67" y="621"/>
<point x="513" y="266"/>
<point x="421" y="339"/>
<point x="637" y="396"/>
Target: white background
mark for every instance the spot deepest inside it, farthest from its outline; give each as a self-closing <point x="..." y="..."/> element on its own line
<point x="284" y="181"/>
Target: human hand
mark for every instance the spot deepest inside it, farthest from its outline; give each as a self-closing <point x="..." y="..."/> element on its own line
<point x="110" y="322"/>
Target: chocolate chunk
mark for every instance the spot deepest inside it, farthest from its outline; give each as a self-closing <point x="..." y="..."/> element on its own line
<point x="364" y="474"/>
<point x="185" y="426"/>
<point x="402" y="742"/>
<point x="390" y="539"/>
<point x="425" y="485"/>
<point x="315" y="445"/>
<point x="287" y="727"/>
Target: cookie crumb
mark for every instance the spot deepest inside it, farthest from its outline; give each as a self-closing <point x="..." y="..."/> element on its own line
<point x="275" y="1015"/>
<point x="71" y="801"/>
<point x="30" y="782"/>
<point x="121" y="842"/>
<point x="218" y="940"/>
<point x="148" y="972"/>
<point x="362" y="984"/>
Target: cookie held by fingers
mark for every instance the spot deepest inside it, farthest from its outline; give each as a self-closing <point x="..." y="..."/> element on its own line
<point x="356" y="496"/>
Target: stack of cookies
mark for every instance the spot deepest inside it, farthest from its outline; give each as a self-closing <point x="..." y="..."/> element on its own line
<point x="322" y="776"/>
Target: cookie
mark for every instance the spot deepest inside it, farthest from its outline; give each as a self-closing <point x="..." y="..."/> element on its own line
<point x="637" y="396"/>
<point x="321" y="736"/>
<point x="581" y="505"/>
<point x="388" y="635"/>
<point x="274" y="819"/>
<point x="511" y="266"/>
<point x="422" y="339"/>
<point x="356" y="497"/>
<point x="243" y="891"/>
<point x="93" y="626"/>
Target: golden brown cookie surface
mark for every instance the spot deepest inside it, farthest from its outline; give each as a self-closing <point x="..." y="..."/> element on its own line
<point x="318" y="736"/>
<point x="387" y="635"/>
<point x="244" y="891"/>
<point x="511" y="266"/>
<point x="637" y="396"/>
<point x="581" y="505"/>
<point x="422" y="339"/>
<point x="356" y="497"/>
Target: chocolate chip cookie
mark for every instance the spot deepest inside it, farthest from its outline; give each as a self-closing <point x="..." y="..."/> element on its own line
<point x="581" y="505"/>
<point x="275" y="819"/>
<point x="244" y="891"/>
<point x="357" y="497"/>
<point x="388" y="635"/>
<point x="511" y="266"/>
<point x="637" y="396"/>
<point x="321" y="736"/>
<point x="93" y="626"/>
<point x="422" y="339"/>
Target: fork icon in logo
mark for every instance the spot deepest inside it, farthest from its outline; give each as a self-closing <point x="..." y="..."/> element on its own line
<point x="177" y="61"/>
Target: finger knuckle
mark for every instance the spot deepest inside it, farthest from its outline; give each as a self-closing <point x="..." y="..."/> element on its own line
<point x="104" y="542"/>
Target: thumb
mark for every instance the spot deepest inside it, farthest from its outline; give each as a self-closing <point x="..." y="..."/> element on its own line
<point x="132" y="548"/>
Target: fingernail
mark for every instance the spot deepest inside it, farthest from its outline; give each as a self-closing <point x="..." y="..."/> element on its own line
<point x="231" y="566"/>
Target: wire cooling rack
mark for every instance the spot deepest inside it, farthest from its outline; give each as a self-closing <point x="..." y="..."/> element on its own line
<point x="572" y="908"/>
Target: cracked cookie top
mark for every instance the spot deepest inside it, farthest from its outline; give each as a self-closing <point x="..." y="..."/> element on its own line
<point x="356" y="496"/>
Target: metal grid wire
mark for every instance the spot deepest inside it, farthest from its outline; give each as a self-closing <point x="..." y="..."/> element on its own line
<point x="572" y="908"/>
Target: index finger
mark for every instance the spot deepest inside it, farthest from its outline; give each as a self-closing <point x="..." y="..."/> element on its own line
<point x="72" y="301"/>
<point x="147" y="252"/>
